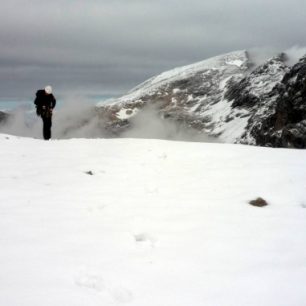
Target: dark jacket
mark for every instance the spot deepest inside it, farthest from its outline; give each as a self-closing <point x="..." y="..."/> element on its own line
<point x="44" y="103"/>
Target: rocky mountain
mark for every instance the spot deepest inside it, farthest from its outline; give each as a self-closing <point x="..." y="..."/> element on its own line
<point x="226" y="97"/>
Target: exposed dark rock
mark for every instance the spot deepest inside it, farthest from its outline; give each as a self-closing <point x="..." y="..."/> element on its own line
<point x="89" y="172"/>
<point x="286" y="124"/>
<point x="259" y="202"/>
<point x="252" y="89"/>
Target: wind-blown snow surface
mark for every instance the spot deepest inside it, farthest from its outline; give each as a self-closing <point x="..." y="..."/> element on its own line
<point x="153" y="223"/>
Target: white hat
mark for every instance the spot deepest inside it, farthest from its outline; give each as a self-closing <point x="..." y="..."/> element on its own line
<point x="48" y="90"/>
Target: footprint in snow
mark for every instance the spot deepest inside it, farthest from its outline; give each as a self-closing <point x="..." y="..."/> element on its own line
<point x="90" y="281"/>
<point x="144" y="238"/>
<point x="93" y="209"/>
<point x="163" y="156"/>
<point x="121" y="295"/>
<point x="152" y="189"/>
<point x="95" y="282"/>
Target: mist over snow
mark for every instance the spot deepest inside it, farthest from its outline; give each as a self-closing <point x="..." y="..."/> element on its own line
<point x="69" y="116"/>
<point x="76" y="118"/>
<point x="150" y="124"/>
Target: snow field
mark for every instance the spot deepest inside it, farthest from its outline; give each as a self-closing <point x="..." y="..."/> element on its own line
<point x="153" y="223"/>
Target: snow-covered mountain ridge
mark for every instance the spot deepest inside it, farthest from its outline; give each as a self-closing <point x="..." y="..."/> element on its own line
<point x="224" y="97"/>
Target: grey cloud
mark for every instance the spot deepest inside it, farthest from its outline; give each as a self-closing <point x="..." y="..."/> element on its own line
<point x="117" y="44"/>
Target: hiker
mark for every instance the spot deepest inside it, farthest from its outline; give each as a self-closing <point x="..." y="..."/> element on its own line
<point x="45" y="102"/>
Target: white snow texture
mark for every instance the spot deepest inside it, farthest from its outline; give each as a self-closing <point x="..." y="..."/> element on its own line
<point x="150" y="223"/>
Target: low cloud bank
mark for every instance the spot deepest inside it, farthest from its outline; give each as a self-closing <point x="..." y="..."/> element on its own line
<point x="149" y="123"/>
<point x="21" y="122"/>
<point x="77" y="118"/>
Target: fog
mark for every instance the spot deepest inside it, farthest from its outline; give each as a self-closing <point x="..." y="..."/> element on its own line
<point x="149" y="123"/>
<point x="107" y="47"/>
<point x="74" y="118"/>
<point x="261" y="54"/>
<point x="78" y="119"/>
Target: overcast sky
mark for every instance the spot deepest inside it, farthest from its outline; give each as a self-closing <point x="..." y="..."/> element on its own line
<point x="109" y="46"/>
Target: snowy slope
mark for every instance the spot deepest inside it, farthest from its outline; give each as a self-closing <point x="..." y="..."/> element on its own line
<point x="227" y="63"/>
<point x="154" y="223"/>
<point x="192" y="95"/>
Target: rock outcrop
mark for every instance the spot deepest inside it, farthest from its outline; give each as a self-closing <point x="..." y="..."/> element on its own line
<point x="285" y="125"/>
